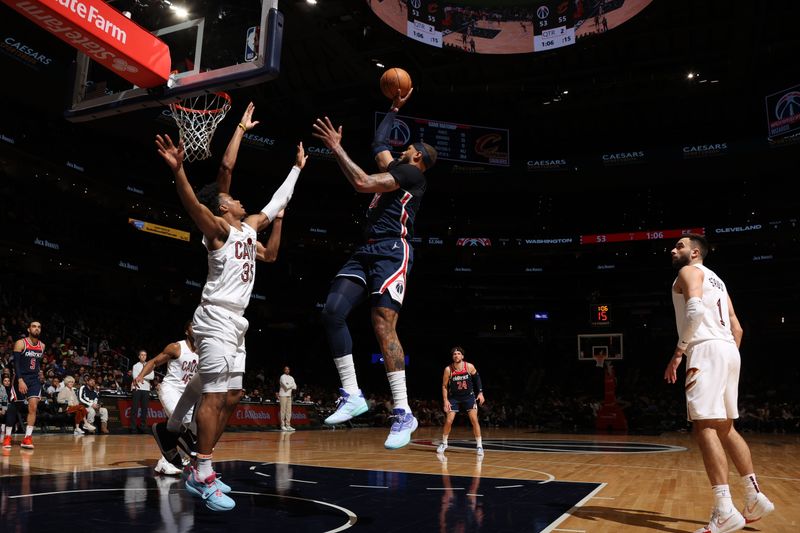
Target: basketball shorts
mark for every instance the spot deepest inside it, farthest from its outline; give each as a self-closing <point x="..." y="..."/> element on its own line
<point x="169" y="396"/>
<point x="219" y="335"/>
<point x="383" y="267"/>
<point x="34" y="388"/>
<point x="712" y="381"/>
<point x="462" y="404"/>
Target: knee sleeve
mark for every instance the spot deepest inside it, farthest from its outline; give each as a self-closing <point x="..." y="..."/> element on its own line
<point x="344" y="295"/>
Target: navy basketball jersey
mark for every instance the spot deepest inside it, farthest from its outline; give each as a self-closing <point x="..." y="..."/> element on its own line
<point x="30" y="362"/>
<point x="391" y="214"/>
<point x="460" y="382"/>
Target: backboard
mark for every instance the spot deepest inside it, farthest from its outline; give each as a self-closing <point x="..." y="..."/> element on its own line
<point x="214" y="46"/>
<point x="596" y="344"/>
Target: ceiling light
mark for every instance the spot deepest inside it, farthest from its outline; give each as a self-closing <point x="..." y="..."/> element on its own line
<point x="690" y="75"/>
<point x="312" y="2"/>
<point x="380" y="65"/>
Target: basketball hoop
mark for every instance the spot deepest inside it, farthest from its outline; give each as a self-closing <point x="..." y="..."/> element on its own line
<point x="197" y="119"/>
<point x="599" y="359"/>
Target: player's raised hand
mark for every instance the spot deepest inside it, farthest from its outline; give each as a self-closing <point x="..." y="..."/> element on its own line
<point x="171" y="154"/>
<point x="324" y="130"/>
<point x="247" y="117"/>
<point x="400" y="100"/>
<point x="301" y="158"/>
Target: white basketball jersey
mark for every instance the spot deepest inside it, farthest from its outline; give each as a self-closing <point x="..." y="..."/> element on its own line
<point x="231" y="270"/>
<point x="716" y="322"/>
<point x="181" y="370"/>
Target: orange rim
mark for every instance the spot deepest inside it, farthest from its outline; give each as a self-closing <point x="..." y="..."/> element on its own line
<point x="225" y="96"/>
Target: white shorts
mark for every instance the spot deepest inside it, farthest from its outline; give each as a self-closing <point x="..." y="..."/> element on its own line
<point x="712" y="381"/>
<point x="219" y="336"/>
<point x="169" y="396"/>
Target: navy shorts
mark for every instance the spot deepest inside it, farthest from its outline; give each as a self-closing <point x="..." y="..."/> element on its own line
<point x="34" y="388"/>
<point x="459" y="404"/>
<point x="382" y="267"/>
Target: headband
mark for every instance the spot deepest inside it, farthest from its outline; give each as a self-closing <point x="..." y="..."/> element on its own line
<point x="426" y="158"/>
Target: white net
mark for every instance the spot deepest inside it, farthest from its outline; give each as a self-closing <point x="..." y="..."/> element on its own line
<point x="197" y="119"/>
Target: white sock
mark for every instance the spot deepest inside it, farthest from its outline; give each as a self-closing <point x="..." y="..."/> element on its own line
<point x="444" y="439"/>
<point x="397" y="382"/>
<point x="347" y="373"/>
<point x="479" y="441"/>
<point x="204" y="467"/>
<point x="189" y="398"/>
<point x="28" y="431"/>
<point x="9" y="429"/>
<point x="751" y="488"/>
<point x="722" y="497"/>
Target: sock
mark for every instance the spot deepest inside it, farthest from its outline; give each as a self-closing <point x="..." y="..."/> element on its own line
<point x="9" y="429"/>
<point x="444" y="439"/>
<point x="722" y="497"/>
<point x="751" y="488"/>
<point x="189" y="398"/>
<point x="397" y="382"/>
<point x="28" y="431"/>
<point x="347" y="373"/>
<point x="204" y="468"/>
<point x="479" y="441"/>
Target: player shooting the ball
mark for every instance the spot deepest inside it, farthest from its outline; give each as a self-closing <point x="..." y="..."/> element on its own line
<point x="379" y="268"/>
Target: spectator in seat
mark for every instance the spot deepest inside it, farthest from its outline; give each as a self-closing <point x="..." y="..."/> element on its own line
<point x="68" y="397"/>
<point x="89" y="397"/>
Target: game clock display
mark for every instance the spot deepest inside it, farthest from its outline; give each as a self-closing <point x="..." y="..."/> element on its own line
<point x="600" y="315"/>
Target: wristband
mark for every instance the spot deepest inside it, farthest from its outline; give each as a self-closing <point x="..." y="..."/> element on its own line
<point x="244" y="129"/>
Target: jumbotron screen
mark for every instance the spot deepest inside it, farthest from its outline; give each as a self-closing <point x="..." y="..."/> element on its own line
<point x="504" y="26"/>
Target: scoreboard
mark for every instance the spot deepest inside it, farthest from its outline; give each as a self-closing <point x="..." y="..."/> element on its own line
<point x="424" y="22"/>
<point x="464" y="143"/>
<point x="639" y="235"/>
<point x="553" y="25"/>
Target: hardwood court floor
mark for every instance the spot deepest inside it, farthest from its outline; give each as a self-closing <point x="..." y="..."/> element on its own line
<point x="644" y="482"/>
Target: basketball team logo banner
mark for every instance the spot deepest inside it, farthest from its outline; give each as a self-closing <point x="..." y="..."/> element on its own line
<point x="783" y="112"/>
<point x="104" y="34"/>
<point x="463" y="143"/>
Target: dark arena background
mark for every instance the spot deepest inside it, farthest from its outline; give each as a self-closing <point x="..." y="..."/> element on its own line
<point x="568" y="170"/>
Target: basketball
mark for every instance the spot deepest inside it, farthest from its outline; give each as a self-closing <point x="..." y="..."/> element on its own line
<point x="393" y="79"/>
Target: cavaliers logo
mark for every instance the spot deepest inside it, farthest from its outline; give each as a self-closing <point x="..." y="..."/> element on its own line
<point x="490" y="146"/>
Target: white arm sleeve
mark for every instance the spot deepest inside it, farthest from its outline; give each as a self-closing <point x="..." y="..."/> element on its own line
<point x="282" y="196"/>
<point x="694" y="316"/>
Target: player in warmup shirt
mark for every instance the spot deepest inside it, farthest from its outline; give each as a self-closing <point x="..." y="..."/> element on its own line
<point x="709" y="334"/>
<point x="378" y="269"/>
<point x="461" y="390"/>
<point x="181" y="361"/>
<point x="219" y="326"/>
<point x="25" y="384"/>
